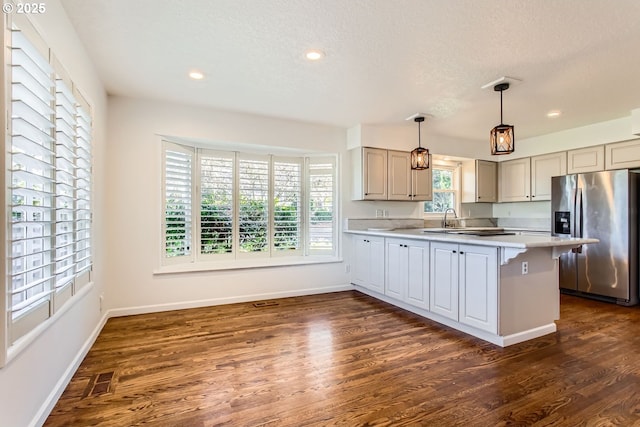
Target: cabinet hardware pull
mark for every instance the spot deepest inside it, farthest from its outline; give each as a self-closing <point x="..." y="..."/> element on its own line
<point x="461" y="253"/>
<point x="454" y="252"/>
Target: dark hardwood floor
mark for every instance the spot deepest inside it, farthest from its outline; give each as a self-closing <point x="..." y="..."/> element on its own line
<point x="348" y="359"/>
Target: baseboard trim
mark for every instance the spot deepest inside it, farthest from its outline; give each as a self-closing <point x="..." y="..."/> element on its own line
<point x="156" y="308"/>
<point x="51" y="400"/>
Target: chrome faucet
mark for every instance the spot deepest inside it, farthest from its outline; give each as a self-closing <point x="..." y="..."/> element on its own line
<point x="444" y="220"/>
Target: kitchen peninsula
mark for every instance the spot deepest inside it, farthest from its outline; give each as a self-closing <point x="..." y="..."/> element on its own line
<point x="500" y="287"/>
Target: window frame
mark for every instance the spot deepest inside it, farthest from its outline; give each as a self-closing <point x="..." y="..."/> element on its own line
<point x="198" y="261"/>
<point x="455" y="168"/>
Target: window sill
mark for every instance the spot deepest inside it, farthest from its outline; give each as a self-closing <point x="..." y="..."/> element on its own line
<point x="245" y="264"/>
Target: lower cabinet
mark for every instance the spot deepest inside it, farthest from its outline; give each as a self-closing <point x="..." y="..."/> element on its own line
<point x="369" y="261"/>
<point x="407" y="271"/>
<point x="459" y="282"/>
<point x="464" y="284"/>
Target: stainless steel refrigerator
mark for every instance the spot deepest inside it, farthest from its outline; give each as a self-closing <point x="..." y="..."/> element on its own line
<point x="601" y="205"/>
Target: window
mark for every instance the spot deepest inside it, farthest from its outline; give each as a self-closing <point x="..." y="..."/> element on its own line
<point x="237" y="205"/>
<point x="445" y="190"/>
<point x="49" y="186"/>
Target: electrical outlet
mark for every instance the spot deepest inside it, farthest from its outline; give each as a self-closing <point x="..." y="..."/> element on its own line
<point x="379" y="213"/>
<point x="525" y="267"/>
<point x="347" y="268"/>
<point x="101" y="301"/>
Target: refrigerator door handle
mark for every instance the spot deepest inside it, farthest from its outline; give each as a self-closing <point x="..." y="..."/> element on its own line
<point x="579" y="213"/>
<point x="572" y="214"/>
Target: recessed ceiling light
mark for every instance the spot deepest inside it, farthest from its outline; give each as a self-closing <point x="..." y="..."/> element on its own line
<point x="554" y="113"/>
<point x="196" y="75"/>
<point x="314" y="55"/>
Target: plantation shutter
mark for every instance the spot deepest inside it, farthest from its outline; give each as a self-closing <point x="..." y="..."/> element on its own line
<point x="321" y="205"/>
<point x="31" y="275"/>
<point x="287" y="206"/>
<point x="253" y="214"/>
<point x="216" y="202"/>
<point x="178" y="179"/>
<point x="84" y="173"/>
<point x="65" y="191"/>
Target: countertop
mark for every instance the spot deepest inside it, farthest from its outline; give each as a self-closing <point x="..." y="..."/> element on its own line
<point x="519" y="240"/>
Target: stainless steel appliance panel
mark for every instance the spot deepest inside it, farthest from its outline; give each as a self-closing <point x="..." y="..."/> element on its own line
<point x="601" y="205"/>
<point x="563" y="190"/>
<point x="602" y="212"/>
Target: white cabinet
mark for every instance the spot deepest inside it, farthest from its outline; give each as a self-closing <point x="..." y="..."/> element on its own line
<point x="444" y="279"/>
<point x="464" y="284"/>
<point x="404" y="183"/>
<point x="368" y="262"/>
<point x="422" y="184"/>
<point x="386" y="175"/>
<point x="590" y="159"/>
<point x="529" y="178"/>
<point x="542" y="169"/>
<point x="399" y="175"/>
<point x="479" y="181"/>
<point x="478" y="287"/>
<point x="515" y="180"/>
<point x="369" y="168"/>
<point x="407" y="271"/>
<point x="622" y="155"/>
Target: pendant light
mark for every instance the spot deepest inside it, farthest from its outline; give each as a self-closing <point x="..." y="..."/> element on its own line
<point x="419" y="156"/>
<point x="502" y="139"/>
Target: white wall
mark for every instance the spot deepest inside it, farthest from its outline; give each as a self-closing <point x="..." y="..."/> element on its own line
<point x="134" y="200"/>
<point x="33" y="376"/>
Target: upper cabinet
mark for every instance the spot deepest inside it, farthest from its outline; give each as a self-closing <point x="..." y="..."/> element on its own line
<point x="380" y="174"/>
<point x="369" y="167"/>
<point x="590" y="159"/>
<point x="479" y="181"/>
<point x="515" y="180"/>
<point x="542" y="169"/>
<point x="399" y="175"/>
<point x="529" y="178"/>
<point x="623" y="155"/>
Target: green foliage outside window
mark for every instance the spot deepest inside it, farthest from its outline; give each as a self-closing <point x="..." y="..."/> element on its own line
<point x="443" y="191"/>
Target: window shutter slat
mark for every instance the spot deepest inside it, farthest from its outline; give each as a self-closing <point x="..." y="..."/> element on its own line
<point x="216" y="203"/>
<point x="253" y="218"/>
<point x="178" y="167"/>
<point x="287" y="216"/>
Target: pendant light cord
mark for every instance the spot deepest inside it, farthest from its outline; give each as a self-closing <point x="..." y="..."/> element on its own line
<point x="501" y="122"/>
<point x="419" y="139"/>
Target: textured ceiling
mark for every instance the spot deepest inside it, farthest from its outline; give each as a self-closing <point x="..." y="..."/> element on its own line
<point x="385" y="59"/>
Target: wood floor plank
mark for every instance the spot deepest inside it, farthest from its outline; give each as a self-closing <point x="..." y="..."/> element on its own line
<point x="348" y="359"/>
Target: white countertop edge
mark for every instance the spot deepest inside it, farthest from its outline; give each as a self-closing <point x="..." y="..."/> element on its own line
<point x="506" y="241"/>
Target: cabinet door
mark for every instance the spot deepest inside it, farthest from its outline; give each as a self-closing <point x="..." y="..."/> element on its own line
<point x="399" y="175"/>
<point x="397" y="269"/>
<point x="374" y="169"/>
<point x="542" y="169"/>
<point x="422" y="184"/>
<point x="590" y="159"/>
<point x="360" y="256"/>
<point x="622" y="155"/>
<point x="376" y="264"/>
<point x="486" y="181"/>
<point x="515" y="180"/>
<point x="479" y="287"/>
<point x="417" y="291"/>
<point x="443" y="281"/>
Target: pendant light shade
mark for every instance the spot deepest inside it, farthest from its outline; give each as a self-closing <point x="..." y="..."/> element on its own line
<point x="502" y="136"/>
<point x="419" y="156"/>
